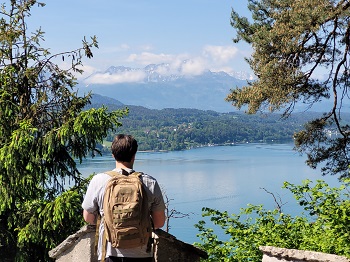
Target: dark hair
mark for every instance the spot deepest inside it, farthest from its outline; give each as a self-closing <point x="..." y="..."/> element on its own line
<point x="124" y="147"/>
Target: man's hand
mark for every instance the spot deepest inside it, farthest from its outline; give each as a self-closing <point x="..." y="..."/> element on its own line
<point x="89" y="217"/>
<point x="158" y="218"/>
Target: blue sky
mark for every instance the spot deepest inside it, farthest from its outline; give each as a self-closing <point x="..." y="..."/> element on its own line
<point x="136" y="33"/>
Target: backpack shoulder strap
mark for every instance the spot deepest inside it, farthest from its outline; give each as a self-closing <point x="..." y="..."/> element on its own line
<point x="138" y="174"/>
<point x="98" y="222"/>
<point x="113" y="173"/>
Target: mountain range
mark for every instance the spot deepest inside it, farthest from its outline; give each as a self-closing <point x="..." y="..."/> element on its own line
<point x="159" y="88"/>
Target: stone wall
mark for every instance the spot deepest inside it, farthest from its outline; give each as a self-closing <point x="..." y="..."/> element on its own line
<point x="168" y="248"/>
<point x="275" y="254"/>
<point x="79" y="247"/>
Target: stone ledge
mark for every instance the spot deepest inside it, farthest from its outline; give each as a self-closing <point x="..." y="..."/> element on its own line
<point x="284" y="254"/>
<point x="80" y="247"/>
<point x="71" y="241"/>
<point x="172" y="247"/>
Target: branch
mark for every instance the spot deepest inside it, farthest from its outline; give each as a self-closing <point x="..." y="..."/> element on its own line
<point x="277" y="202"/>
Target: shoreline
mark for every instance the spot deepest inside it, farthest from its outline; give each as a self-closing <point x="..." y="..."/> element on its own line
<point x="217" y="145"/>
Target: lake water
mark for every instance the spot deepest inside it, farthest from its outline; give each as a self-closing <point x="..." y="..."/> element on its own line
<point x="221" y="177"/>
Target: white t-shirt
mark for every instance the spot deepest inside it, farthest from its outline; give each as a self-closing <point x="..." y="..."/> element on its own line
<point x="93" y="201"/>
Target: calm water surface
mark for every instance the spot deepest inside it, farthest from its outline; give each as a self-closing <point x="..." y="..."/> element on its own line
<point x="221" y="177"/>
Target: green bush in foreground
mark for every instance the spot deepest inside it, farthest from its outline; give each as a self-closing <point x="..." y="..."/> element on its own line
<point x="324" y="227"/>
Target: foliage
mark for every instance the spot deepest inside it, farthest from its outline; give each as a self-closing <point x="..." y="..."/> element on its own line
<point x="324" y="228"/>
<point x="300" y="54"/>
<point x="43" y="132"/>
<point x="179" y="129"/>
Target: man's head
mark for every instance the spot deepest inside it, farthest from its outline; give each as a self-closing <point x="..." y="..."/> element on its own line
<point x="124" y="148"/>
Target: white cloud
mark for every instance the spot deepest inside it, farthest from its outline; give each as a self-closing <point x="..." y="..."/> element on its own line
<point x="210" y="57"/>
<point x="166" y="70"/>
<point x="122" y="77"/>
<point x="194" y="67"/>
<point x="146" y="58"/>
<point x="174" y="64"/>
<point x="220" y="54"/>
<point x="88" y="70"/>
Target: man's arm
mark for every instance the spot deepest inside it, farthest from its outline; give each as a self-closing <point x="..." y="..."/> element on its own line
<point x="89" y="217"/>
<point x="158" y="218"/>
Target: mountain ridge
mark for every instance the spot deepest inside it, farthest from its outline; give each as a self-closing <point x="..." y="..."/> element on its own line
<point x="161" y="86"/>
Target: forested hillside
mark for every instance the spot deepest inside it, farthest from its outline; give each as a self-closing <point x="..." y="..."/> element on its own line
<point x="178" y="129"/>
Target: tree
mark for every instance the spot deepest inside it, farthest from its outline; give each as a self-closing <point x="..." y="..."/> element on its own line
<point x="323" y="228"/>
<point x="171" y="213"/>
<point x="294" y="42"/>
<point x="44" y="130"/>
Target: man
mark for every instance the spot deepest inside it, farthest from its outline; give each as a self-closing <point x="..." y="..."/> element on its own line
<point x="124" y="148"/>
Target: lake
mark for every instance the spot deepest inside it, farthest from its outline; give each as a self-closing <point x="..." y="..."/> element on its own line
<point x="222" y="177"/>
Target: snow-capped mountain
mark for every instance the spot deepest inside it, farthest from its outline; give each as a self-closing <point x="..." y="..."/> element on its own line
<point x="166" y="73"/>
<point x="158" y="86"/>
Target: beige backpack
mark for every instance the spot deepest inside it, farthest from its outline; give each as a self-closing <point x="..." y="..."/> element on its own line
<point x="127" y="220"/>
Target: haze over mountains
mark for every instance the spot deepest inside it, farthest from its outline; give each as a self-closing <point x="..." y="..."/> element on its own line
<point x="159" y="86"/>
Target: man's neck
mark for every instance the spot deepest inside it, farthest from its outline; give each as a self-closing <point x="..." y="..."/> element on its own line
<point x="123" y="165"/>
